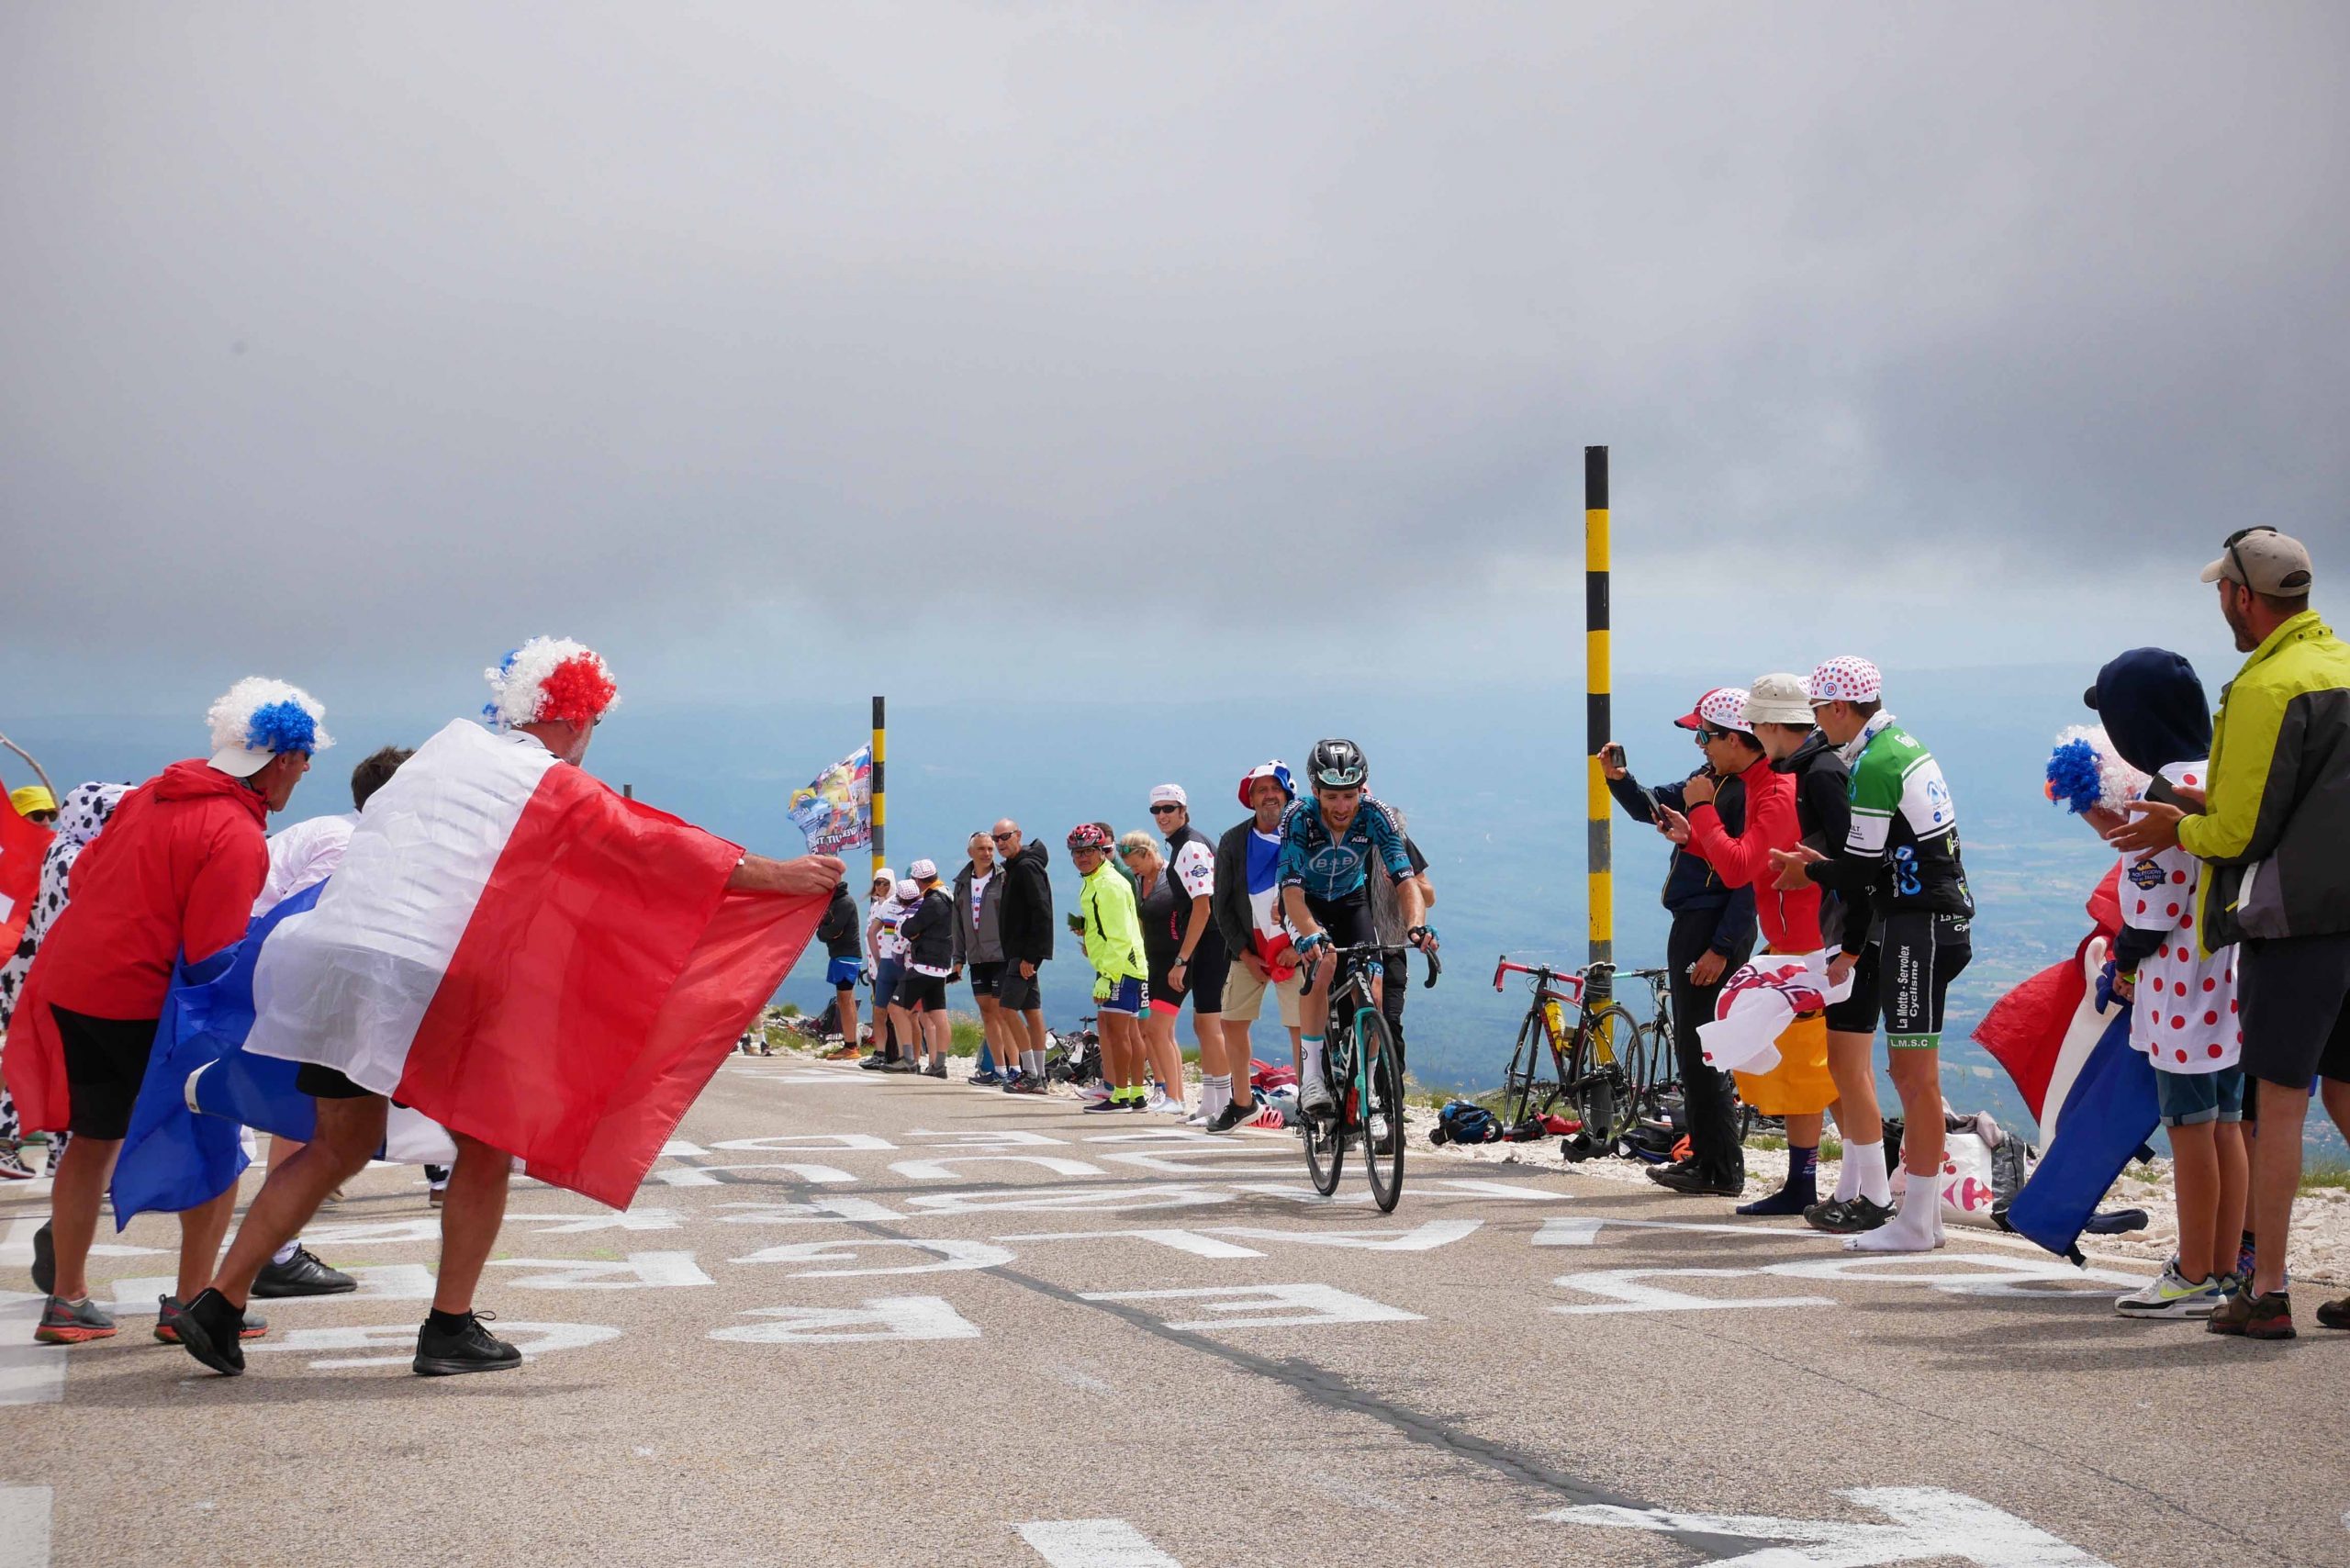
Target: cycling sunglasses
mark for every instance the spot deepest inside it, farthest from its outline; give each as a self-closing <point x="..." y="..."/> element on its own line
<point x="1163" y="808"/>
<point x="1350" y="779"/>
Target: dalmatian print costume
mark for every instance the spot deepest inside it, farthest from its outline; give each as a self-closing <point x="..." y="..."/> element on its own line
<point x="80" y="816"/>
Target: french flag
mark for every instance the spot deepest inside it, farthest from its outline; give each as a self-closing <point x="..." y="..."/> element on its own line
<point x="520" y="954"/>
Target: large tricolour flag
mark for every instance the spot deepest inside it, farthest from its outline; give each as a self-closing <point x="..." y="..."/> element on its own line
<point x="519" y="953"/>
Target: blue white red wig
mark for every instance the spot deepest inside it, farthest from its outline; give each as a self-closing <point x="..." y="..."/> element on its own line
<point x="2086" y="772"/>
<point x="550" y="681"/>
<point x="258" y="718"/>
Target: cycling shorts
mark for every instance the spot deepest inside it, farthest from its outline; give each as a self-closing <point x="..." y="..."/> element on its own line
<point x="1921" y="954"/>
<point x="842" y="973"/>
<point x="920" y="993"/>
<point x="987" y="979"/>
<point x="1346" y="921"/>
<point x="1127" y="997"/>
<point x="1856" y="1014"/>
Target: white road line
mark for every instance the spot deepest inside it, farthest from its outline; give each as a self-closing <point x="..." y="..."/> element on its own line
<point x="30" y="1373"/>
<point x="1093" y="1543"/>
<point x="24" y="1525"/>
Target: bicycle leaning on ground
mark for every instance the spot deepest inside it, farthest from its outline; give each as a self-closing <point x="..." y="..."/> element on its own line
<point x="1609" y="1069"/>
<point x="1363" y="1065"/>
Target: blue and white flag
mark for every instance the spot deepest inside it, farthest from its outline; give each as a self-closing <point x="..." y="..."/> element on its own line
<point x="185" y="1145"/>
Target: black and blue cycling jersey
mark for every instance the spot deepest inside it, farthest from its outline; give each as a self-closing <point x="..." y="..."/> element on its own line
<point x="1332" y="867"/>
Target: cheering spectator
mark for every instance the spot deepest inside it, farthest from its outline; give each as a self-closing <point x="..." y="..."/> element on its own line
<point x="1113" y="936"/>
<point x="843" y="967"/>
<point x="1246" y="905"/>
<point x="979" y="946"/>
<point x="891" y="1048"/>
<point x="929" y="931"/>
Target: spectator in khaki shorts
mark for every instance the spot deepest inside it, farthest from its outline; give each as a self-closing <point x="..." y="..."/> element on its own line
<point x="1247" y="913"/>
<point x="2273" y="832"/>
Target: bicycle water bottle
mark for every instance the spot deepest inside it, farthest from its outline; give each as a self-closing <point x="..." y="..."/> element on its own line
<point x="1554" y="1018"/>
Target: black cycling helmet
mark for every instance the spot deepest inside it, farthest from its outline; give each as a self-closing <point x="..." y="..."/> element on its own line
<point x="1337" y="764"/>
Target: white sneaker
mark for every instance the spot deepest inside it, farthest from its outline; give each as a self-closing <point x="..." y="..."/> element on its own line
<point x="1314" y="1095"/>
<point x="1198" y="1118"/>
<point x="2171" y="1295"/>
<point x="1158" y="1103"/>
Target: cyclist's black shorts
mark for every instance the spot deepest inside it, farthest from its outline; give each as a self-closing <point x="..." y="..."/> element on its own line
<point x="1347" y="920"/>
<point x="1856" y="1014"/>
<point x="1923" y="953"/>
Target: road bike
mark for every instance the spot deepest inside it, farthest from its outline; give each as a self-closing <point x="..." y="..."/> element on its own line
<point x="1363" y="1065"/>
<point x="1608" y="1069"/>
<point x="1075" y="1057"/>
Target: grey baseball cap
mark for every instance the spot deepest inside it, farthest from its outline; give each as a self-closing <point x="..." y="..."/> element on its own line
<point x="2264" y="561"/>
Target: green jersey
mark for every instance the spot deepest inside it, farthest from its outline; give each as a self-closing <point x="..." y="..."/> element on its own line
<point x="1902" y="848"/>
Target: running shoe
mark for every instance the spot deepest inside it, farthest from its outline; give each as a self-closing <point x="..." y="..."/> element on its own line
<point x="1658" y="1172"/>
<point x="167" y="1321"/>
<point x="1025" y="1085"/>
<point x="2170" y="1294"/>
<point x="1233" y="1116"/>
<point x="1847" y="1216"/>
<point x="2253" y="1317"/>
<point x="935" y="1069"/>
<point x="1104" y="1103"/>
<point x="903" y="1064"/>
<point x="1097" y="1090"/>
<point x="302" y="1274"/>
<point x="2335" y="1314"/>
<point x="468" y="1349"/>
<point x="874" y="1063"/>
<point x="45" y="1260"/>
<point x="12" y="1167"/>
<point x="66" y="1322"/>
<point x="845" y="1052"/>
<point x="987" y="1079"/>
<point x="210" y="1330"/>
<point x="1199" y="1117"/>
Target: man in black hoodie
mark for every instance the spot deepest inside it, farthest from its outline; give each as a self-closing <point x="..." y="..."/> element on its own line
<point x="1024" y="919"/>
<point x="1779" y="709"/>
<point x="845" y="964"/>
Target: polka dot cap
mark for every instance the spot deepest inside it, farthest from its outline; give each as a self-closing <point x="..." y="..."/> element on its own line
<point x="1846" y="679"/>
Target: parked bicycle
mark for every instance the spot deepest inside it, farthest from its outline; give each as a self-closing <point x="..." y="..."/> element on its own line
<point x="1607" y="1070"/>
<point x="1364" y="1067"/>
<point x="1075" y="1057"/>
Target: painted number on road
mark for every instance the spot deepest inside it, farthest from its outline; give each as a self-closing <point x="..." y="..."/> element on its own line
<point x="1269" y="1306"/>
<point x="883" y="1317"/>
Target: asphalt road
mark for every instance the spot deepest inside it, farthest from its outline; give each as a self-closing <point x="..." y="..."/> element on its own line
<point x="863" y="1320"/>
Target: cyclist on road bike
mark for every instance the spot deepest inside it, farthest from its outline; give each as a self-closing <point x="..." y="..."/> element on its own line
<point x="1329" y="842"/>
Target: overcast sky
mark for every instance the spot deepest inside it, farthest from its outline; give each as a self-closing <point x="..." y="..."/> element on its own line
<point x="937" y="349"/>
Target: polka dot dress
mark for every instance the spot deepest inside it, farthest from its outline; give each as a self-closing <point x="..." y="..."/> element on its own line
<point x="2186" y="1018"/>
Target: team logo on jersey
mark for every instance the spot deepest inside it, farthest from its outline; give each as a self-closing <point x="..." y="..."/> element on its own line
<point x="2145" y="875"/>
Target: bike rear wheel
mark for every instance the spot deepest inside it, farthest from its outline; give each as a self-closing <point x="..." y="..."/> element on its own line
<point x="1605" y="1094"/>
<point x="1382" y="1105"/>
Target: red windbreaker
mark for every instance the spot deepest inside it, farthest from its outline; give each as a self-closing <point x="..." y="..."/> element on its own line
<point x="175" y="871"/>
<point x="1790" y="921"/>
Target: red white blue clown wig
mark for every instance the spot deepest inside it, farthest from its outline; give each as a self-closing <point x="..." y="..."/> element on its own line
<point x="2086" y="772"/>
<point x="258" y="718"/>
<point x="550" y="681"/>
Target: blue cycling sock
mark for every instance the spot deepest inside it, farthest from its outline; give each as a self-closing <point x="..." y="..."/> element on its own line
<point x="1802" y="1189"/>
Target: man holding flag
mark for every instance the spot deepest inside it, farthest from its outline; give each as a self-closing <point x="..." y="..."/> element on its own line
<point x="547" y="968"/>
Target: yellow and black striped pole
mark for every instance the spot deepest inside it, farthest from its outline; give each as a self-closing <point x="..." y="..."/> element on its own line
<point x="1599" y="849"/>
<point x="881" y="759"/>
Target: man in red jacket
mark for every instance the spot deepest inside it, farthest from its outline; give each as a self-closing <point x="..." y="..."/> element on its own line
<point x="174" y="875"/>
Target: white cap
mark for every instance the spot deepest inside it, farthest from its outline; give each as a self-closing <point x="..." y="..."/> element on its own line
<point x="1779" y="698"/>
<point x="1162" y="794"/>
<point x="256" y="719"/>
<point x="886" y="875"/>
<point x="923" y="871"/>
<point x="908" y="889"/>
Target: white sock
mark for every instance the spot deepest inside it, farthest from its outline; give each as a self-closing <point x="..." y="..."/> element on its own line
<point x="1311" y="1058"/>
<point x="1870" y="1179"/>
<point x="1915" y="1227"/>
<point x="1848" y="1173"/>
<point x="285" y="1254"/>
<point x="1215" y="1094"/>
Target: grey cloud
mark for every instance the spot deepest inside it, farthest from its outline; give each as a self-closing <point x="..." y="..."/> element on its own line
<point x="690" y="328"/>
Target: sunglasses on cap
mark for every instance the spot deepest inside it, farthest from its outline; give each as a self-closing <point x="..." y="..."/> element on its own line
<point x="2244" y="578"/>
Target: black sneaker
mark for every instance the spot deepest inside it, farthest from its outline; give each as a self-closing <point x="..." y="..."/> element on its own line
<point x="1696" y="1183"/>
<point x="1231" y="1116"/>
<point x="1848" y="1217"/>
<point x="874" y="1062"/>
<point x="45" y="1260"/>
<point x="1678" y="1168"/>
<point x="210" y="1329"/>
<point x="302" y="1274"/>
<point x="471" y="1349"/>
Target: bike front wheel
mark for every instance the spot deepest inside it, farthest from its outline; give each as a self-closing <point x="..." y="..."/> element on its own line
<point x="1383" y="1111"/>
<point x="1606" y="1091"/>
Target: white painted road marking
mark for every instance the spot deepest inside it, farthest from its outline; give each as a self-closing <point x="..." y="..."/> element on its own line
<point x="1321" y="1304"/>
<point x="531" y="1339"/>
<point x="1093" y="1543"/>
<point x="944" y="1170"/>
<point x="953" y="1254"/>
<point x="1625" y="1293"/>
<point x="24" y="1526"/>
<point x="639" y="1270"/>
<point x="882" y="1318"/>
<point x="1931" y="1524"/>
<point x="30" y="1373"/>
